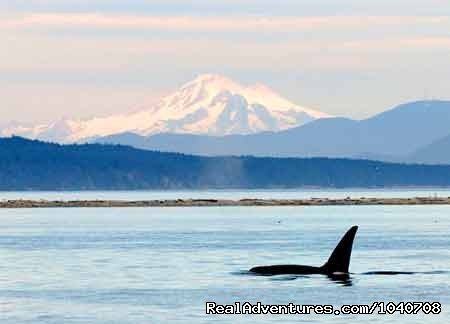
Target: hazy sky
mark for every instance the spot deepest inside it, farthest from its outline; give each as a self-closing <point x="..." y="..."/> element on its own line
<point x="79" y="58"/>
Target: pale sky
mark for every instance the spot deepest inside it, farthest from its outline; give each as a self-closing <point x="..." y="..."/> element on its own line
<point x="354" y="58"/>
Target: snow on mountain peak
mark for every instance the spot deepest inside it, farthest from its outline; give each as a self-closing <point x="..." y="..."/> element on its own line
<point x="209" y="104"/>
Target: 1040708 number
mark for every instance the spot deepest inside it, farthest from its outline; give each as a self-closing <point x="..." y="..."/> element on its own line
<point x="409" y="308"/>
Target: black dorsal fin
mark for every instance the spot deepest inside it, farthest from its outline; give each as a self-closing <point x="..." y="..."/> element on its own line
<point x="339" y="260"/>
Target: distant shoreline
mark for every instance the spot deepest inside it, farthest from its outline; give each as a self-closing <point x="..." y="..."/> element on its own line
<point x="19" y="203"/>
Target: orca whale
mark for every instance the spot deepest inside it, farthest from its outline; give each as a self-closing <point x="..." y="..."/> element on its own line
<point x="336" y="266"/>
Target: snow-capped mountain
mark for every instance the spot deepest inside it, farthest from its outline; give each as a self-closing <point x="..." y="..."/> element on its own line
<point x="210" y="104"/>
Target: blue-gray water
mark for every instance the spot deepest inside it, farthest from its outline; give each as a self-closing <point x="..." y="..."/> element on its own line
<point x="160" y="265"/>
<point x="226" y="194"/>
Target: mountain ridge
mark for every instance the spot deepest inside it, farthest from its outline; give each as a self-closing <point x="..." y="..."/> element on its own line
<point x="437" y="152"/>
<point x="209" y="104"/>
<point x="37" y="165"/>
<point x="396" y="133"/>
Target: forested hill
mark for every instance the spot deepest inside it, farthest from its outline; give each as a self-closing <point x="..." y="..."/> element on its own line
<point x="35" y="165"/>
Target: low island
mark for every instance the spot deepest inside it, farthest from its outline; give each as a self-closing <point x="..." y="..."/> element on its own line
<point x="19" y="203"/>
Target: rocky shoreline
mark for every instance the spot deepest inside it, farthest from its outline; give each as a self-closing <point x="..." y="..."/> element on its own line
<point x="223" y="202"/>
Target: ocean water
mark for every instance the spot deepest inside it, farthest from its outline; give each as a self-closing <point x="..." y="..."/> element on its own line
<point x="225" y="194"/>
<point x="161" y="265"/>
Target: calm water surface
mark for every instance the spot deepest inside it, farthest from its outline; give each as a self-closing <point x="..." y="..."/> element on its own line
<point x="224" y="194"/>
<point x="160" y="265"/>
